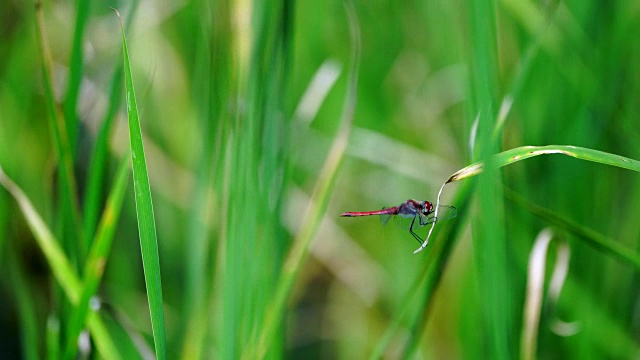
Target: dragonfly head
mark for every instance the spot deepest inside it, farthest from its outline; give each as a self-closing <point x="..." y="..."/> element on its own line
<point x="427" y="208"/>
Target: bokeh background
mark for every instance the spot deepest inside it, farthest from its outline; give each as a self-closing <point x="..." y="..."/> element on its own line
<point x="242" y="104"/>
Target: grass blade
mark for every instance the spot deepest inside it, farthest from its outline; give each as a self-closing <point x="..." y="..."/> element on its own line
<point x="319" y="199"/>
<point x="75" y="73"/>
<point x="525" y="152"/>
<point x="67" y="187"/>
<point x="25" y="303"/>
<point x="97" y="257"/>
<point x="99" y="156"/>
<point x="489" y="235"/>
<point x="59" y="264"/>
<point x="591" y="237"/>
<point x="144" y="211"/>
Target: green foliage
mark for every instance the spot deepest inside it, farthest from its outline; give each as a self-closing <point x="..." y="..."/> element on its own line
<point x="262" y="121"/>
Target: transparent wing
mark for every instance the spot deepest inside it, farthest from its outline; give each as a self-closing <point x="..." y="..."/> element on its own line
<point x="384" y="219"/>
<point x="403" y="222"/>
<point x="445" y="212"/>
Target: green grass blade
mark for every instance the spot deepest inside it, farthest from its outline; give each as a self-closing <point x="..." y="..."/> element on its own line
<point x="53" y="337"/>
<point x="99" y="157"/>
<point x="319" y="200"/>
<point x="489" y="234"/>
<point x="67" y="183"/>
<point x="98" y="163"/>
<point x="97" y="258"/>
<point x="590" y="236"/>
<point x="59" y="264"/>
<point x="75" y="74"/>
<point x="198" y="242"/>
<point x="24" y="301"/>
<point x="144" y="211"/>
<point x="525" y="152"/>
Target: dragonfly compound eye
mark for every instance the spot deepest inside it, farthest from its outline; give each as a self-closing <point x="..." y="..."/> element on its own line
<point x="428" y="207"/>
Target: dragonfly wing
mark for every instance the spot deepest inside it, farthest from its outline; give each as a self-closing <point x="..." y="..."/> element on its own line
<point x="384" y="218"/>
<point x="402" y="222"/>
<point x="445" y="212"/>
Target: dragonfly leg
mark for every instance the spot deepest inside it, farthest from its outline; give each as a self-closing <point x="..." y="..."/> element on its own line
<point x="425" y="220"/>
<point x="413" y="233"/>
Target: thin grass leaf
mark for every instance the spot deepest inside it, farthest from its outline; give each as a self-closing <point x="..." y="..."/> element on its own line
<point x="97" y="258"/>
<point x="99" y="157"/>
<point x="24" y="300"/>
<point x="210" y="82"/>
<point x="535" y="290"/>
<point x="59" y="264"/>
<point x="53" y="337"/>
<point x="67" y="183"/>
<point x="75" y="74"/>
<point x="62" y="269"/>
<point x="590" y="236"/>
<point x="525" y="152"/>
<point x="319" y="200"/>
<point x="490" y="244"/>
<point x="98" y="162"/>
<point x="144" y="211"/>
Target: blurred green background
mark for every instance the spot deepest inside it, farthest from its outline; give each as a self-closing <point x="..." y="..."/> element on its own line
<point x="241" y="104"/>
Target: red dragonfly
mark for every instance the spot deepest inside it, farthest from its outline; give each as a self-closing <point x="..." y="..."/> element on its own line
<point x="421" y="213"/>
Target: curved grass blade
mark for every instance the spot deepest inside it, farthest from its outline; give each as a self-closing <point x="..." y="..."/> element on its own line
<point x="60" y="265"/>
<point x="524" y="152"/>
<point x="144" y="210"/>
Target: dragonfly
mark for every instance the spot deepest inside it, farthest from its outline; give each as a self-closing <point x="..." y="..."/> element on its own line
<point x="419" y="213"/>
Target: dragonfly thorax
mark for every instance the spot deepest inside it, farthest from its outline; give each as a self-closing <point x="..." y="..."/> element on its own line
<point x="412" y="207"/>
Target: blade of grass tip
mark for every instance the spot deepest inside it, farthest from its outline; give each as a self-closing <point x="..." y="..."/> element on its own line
<point x="97" y="258"/>
<point x="98" y="162"/>
<point x="144" y="211"/>
<point x="591" y="237"/>
<point x="67" y="184"/>
<point x="58" y="262"/>
<point x="319" y="200"/>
